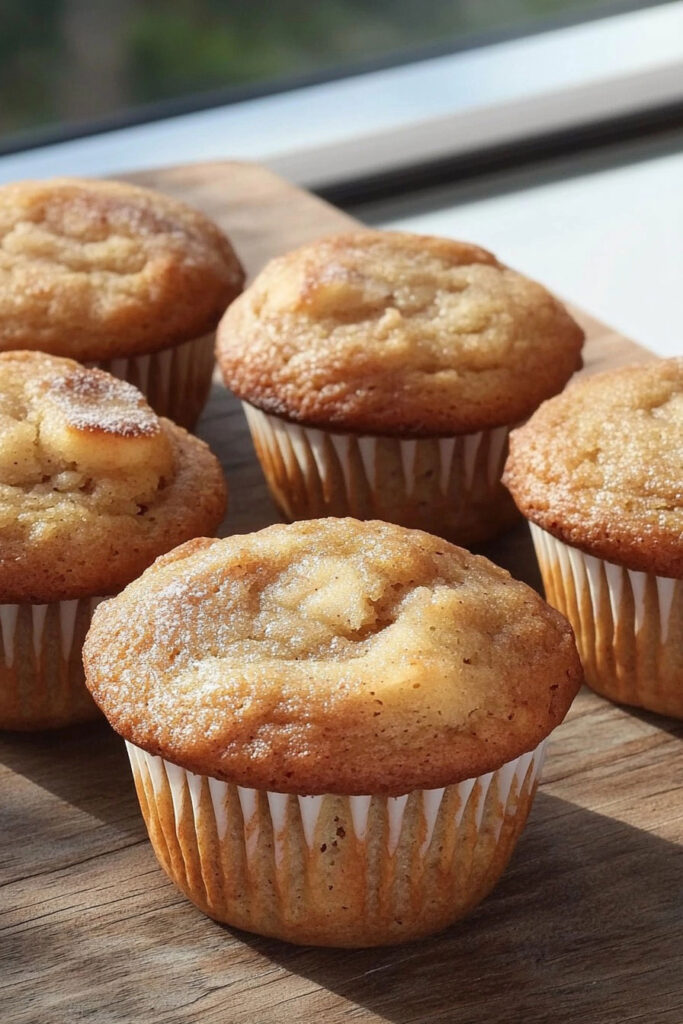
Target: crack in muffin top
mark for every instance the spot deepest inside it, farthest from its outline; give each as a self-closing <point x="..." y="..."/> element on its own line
<point x="96" y="269"/>
<point x="389" y="333"/>
<point x="601" y="467"/>
<point x="331" y="656"/>
<point x="93" y="484"/>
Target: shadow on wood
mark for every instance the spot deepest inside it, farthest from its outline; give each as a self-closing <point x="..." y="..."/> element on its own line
<point x="66" y="795"/>
<point x="515" y="552"/>
<point x="224" y="428"/>
<point x="670" y="725"/>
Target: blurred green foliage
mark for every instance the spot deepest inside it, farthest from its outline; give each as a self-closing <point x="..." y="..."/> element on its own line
<point x="30" y="45"/>
<point x="70" y="60"/>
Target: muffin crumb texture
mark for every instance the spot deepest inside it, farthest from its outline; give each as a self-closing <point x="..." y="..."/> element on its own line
<point x="331" y="656"/>
<point x="601" y="467"/>
<point x="389" y="333"/>
<point x="92" y="483"/>
<point x="95" y="269"/>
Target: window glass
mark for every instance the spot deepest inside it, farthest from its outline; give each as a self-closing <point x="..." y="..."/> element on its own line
<point x="65" y="62"/>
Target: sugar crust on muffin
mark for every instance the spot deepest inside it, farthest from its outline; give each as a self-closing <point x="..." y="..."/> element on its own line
<point x="331" y="656"/>
<point x="98" y="269"/>
<point x="601" y="466"/>
<point x="390" y="333"/>
<point x="93" y="485"/>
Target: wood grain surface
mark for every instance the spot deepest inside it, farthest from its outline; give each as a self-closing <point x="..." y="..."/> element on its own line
<point x="585" y="926"/>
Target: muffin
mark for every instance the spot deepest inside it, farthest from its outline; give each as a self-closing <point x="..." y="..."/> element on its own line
<point x="380" y="373"/>
<point x="336" y="727"/>
<point x="93" y="486"/>
<point x="118" y="277"/>
<point x="598" y="471"/>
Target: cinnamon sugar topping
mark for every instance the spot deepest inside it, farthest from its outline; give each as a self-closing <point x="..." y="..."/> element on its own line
<point x="92" y="400"/>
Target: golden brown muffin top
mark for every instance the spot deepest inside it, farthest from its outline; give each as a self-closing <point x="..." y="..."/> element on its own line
<point x="97" y="269"/>
<point x="386" y="333"/>
<point x="601" y="467"/>
<point x="93" y="485"/>
<point x="331" y="656"/>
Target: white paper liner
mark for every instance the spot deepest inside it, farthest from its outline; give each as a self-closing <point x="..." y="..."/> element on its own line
<point x="240" y="839"/>
<point x="624" y="621"/>
<point x="41" y="676"/>
<point x="317" y="472"/>
<point x="176" y="381"/>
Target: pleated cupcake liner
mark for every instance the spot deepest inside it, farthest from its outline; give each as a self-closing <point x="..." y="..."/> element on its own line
<point x="628" y="624"/>
<point x="175" y="381"/>
<point x="444" y="485"/>
<point x="41" y="673"/>
<point x="334" y="870"/>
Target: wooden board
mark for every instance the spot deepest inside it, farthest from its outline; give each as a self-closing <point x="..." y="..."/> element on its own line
<point x="586" y="925"/>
